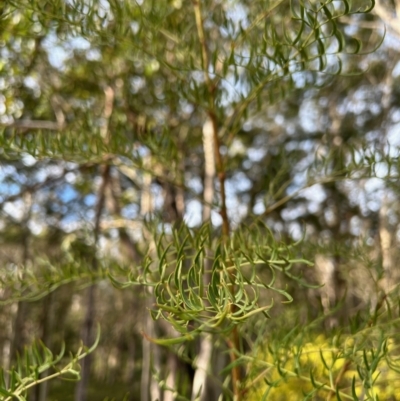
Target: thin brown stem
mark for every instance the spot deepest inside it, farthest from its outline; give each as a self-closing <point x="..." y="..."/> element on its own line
<point x="338" y="379"/>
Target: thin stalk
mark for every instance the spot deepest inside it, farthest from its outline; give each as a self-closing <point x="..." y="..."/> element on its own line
<point x="339" y="378"/>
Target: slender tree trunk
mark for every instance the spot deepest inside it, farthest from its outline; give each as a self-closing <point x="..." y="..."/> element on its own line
<point x="155" y="390"/>
<point x="146" y="207"/>
<point x="172" y="368"/>
<point x="209" y="169"/>
<point x="130" y="256"/>
<point x="146" y="366"/>
<point x="203" y="360"/>
<point x="87" y="339"/>
<point x="149" y="388"/>
<point x="233" y="340"/>
<point x="41" y="390"/>
<point x="113" y="195"/>
<point x="17" y="329"/>
<point x="325" y="268"/>
<point x="88" y="324"/>
<point x="7" y="336"/>
<point x="151" y="359"/>
<point x="130" y="366"/>
<point x="385" y="236"/>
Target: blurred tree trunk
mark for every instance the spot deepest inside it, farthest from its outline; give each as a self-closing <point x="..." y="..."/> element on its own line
<point x="170" y="383"/>
<point x="386" y="235"/>
<point x="18" y="327"/>
<point x="46" y="328"/>
<point x="391" y="17"/>
<point x="88" y="324"/>
<point x="87" y="339"/>
<point x="91" y="295"/>
<point x="113" y="196"/>
<point x="386" y="239"/>
<point x="129" y="371"/>
<point x="149" y="388"/>
<point x="130" y="256"/>
<point x="203" y="359"/>
<point x="174" y="208"/>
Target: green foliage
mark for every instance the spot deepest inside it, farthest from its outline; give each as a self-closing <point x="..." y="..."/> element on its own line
<point x="36" y="361"/>
<point x="236" y="278"/>
<point x="345" y="367"/>
<point x="31" y="284"/>
<point x="169" y="66"/>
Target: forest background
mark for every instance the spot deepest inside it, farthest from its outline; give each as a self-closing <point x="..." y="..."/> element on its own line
<point x="206" y="191"/>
